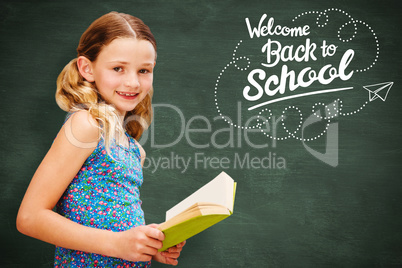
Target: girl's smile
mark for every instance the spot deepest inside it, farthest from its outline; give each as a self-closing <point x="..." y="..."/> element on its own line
<point x="127" y="95"/>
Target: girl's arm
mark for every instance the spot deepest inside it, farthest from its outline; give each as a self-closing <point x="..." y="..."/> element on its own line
<point x="72" y="146"/>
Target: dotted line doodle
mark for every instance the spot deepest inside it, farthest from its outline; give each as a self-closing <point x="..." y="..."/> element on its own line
<point x="351" y="21"/>
<point x="233" y="62"/>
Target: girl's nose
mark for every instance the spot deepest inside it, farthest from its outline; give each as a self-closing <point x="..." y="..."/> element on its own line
<point x="132" y="81"/>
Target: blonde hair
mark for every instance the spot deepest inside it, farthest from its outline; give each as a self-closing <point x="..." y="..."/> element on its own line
<point x="74" y="93"/>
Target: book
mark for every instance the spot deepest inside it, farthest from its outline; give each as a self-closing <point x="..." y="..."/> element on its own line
<point x="207" y="206"/>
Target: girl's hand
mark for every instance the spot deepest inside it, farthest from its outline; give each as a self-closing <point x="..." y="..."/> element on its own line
<point x="139" y="243"/>
<point x="171" y="255"/>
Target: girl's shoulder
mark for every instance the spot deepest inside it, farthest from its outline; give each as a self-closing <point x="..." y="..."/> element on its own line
<point x="140" y="152"/>
<point x="82" y="130"/>
<point x="140" y="149"/>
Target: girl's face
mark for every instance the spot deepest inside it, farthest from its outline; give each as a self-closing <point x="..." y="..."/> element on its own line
<point x="123" y="72"/>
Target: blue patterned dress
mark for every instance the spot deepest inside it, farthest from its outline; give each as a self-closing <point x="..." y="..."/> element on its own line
<point x="104" y="195"/>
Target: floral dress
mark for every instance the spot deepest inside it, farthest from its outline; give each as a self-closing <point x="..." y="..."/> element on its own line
<point x="104" y="195"/>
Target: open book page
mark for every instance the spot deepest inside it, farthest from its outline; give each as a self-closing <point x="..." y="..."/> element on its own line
<point x="218" y="191"/>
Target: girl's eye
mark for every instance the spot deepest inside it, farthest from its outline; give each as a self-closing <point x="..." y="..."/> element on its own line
<point x="118" y="69"/>
<point x="144" y="71"/>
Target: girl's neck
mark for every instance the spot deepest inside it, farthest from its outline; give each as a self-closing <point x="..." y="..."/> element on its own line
<point x="121" y="118"/>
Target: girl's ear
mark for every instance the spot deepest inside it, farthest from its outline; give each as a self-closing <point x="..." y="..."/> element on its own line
<point x="85" y="68"/>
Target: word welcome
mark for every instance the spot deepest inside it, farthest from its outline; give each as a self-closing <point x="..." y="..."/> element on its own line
<point x="269" y="29"/>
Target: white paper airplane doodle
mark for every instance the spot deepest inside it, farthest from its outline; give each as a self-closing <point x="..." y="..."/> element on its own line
<point x="379" y="90"/>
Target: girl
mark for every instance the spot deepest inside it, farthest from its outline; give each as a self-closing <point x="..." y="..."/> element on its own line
<point x="93" y="170"/>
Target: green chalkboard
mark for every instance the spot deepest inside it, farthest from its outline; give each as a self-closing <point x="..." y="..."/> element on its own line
<point x="319" y="187"/>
